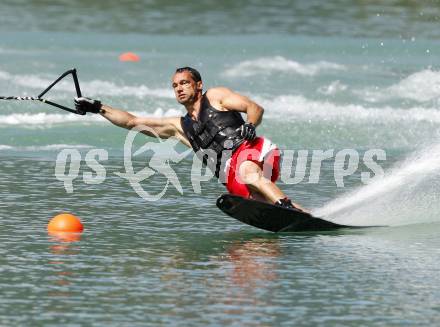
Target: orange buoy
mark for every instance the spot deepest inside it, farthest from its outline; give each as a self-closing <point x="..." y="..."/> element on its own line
<point x="129" y="56"/>
<point x="65" y="222"/>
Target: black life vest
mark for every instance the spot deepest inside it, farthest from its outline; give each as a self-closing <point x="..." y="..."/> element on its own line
<point x="214" y="130"/>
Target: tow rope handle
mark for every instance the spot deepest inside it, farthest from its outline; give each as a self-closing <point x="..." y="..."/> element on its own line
<point x="40" y="96"/>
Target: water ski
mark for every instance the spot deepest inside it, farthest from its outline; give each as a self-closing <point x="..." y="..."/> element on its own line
<point x="273" y="218"/>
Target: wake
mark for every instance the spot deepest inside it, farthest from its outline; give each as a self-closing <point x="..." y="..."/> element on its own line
<point x="408" y="194"/>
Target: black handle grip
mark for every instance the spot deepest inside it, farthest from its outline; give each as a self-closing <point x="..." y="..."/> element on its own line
<point x="75" y="80"/>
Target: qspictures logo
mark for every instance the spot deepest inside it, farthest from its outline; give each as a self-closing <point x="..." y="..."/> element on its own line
<point x="163" y="155"/>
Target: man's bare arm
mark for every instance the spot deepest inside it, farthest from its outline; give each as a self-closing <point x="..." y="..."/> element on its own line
<point x="230" y="100"/>
<point x="164" y="127"/>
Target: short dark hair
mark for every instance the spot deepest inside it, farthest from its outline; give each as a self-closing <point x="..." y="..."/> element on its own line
<point x="194" y="73"/>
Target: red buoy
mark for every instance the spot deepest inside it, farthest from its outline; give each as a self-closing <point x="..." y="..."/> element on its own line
<point x="65" y="222"/>
<point x="129" y="56"/>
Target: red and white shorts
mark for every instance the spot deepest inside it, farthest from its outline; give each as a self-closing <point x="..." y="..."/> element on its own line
<point x="261" y="151"/>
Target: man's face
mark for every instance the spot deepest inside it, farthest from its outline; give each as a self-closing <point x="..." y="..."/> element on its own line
<point x="185" y="88"/>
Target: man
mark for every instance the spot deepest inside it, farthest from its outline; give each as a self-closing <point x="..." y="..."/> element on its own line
<point x="213" y="123"/>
